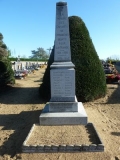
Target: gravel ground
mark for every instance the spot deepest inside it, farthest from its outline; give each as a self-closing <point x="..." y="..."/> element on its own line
<point x="21" y="106"/>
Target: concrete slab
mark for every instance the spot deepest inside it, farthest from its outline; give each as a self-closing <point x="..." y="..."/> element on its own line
<point x="63" y="118"/>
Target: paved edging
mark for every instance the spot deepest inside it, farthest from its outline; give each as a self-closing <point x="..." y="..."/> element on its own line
<point x="62" y="148"/>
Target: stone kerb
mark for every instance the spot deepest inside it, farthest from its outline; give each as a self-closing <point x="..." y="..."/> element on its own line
<point x="64" y="147"/>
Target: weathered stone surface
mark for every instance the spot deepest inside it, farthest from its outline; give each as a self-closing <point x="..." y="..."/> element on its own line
<point x="77" y="148"/>
<point x="63" y="106"/>
<point x="62" y="39"/>
<point x="62" y="85"/>
<point x="85" y="147"/>
<point x="100" y="147"/>
<point x="54" y="148"/>
<point x="62" y="148"/>
<point x="63" y="118"/>
<point x="92" y="147"/>
<point x="69" y="147"/>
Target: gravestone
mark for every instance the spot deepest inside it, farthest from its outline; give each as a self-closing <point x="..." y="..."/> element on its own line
<point x="63" y="108"/>
<point x="27" y="65"/>
<point x="15" y="66"/>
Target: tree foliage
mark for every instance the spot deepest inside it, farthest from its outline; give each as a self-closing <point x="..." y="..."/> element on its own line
<point x="40" y="53"/>
<point x="90" y="77"/>
<point x="3" y="47"/>
<point x="6" y="72"/>
<point x="44" y="89"/>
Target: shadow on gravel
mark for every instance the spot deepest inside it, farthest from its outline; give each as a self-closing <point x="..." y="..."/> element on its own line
<point x="115" y="133"/>
<point x="115" y="97"/>
<point x="93" y="137"/>
<point x="39" y="80"/>
<point x="21" y="124"/>
<point x="19" y="95"/>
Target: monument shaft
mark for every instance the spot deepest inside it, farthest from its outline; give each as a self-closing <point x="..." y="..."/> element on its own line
<point x="62" y="40"/>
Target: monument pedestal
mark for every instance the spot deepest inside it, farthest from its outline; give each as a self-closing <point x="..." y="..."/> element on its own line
<point x="63" y="107"/>
<point x="48" y="118"/>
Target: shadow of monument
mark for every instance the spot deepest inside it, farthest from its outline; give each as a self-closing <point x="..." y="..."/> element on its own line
<point x="115" y="97"/>
<point x="18" y="95"/>
<point x="21" y="124"/>
<point x="93" y="138"/>
<point x="40" y="80"/>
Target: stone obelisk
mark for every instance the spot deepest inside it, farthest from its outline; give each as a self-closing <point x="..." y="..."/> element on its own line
<point x="63" y="108"/>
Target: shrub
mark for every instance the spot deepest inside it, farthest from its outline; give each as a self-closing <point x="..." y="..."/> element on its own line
<point x="90" y="77"/>
<point x="44" y="89"/>
<point x="6" y="73"/>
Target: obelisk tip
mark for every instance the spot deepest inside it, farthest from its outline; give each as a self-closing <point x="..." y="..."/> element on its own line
<point x="61" y="3"/>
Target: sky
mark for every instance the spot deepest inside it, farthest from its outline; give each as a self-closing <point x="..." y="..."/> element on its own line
<point x="29" y="24"/>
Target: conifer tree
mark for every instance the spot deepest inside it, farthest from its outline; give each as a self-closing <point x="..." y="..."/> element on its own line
<point x="6" y="72"/>
<point x="90" y="77"/>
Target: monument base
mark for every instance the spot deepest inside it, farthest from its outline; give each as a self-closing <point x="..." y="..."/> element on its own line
<point x="48" y="118"/>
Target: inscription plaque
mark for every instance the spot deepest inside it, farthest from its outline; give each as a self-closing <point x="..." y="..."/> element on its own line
<point x="62" y="83"/>
<point x="63" y="107"/>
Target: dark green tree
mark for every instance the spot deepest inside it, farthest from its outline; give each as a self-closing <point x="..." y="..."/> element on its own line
<point x="44" y="89"/>
<point x="3" y="47"/>
<point x="90" y="77"/>
<point x="1" y="39"/>
<point x="6" y="72"/>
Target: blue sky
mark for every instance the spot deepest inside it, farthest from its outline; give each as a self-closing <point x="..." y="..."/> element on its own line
<point x="29" y="24"/>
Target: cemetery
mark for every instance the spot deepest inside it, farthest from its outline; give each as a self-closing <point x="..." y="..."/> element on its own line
<point x="63" y="127"/>
<point x="23" y="69"/>
<point x="111" y="73"/>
